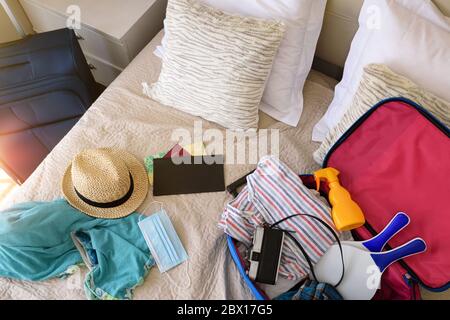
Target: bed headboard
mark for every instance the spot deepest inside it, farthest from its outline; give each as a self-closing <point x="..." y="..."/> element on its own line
<point x="339" y="28"/>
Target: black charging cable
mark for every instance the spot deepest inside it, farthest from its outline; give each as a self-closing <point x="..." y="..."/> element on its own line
<point x="308" y="259"/>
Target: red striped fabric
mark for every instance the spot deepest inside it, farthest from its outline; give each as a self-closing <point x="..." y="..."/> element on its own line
<point x="275" y="192"/>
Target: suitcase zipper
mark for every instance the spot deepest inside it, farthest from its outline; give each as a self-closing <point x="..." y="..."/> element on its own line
<point x="412" y="284"/>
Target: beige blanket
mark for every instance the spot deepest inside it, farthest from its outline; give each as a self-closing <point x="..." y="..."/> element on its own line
<point x="124" y="118"/>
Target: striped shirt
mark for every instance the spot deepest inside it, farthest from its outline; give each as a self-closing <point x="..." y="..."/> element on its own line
<point x="275" y="192"/>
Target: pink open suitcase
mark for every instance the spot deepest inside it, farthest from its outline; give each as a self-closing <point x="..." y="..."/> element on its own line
<point x="396" y="158"/>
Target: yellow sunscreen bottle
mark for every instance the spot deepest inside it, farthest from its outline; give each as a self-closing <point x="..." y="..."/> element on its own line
<point x="346" y="213"/>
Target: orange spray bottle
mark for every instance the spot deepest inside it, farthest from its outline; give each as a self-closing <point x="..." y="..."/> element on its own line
<point x="346" y="213"/>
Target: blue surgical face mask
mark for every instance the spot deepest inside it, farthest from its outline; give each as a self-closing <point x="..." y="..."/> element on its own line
<point x="163" y="241"/>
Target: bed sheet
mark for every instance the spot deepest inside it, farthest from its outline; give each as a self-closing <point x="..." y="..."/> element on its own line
<point x="123" y="117"/>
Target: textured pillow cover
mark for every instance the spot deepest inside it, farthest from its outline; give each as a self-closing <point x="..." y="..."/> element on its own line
<point x="378" y="83"/>
<point x="216" y="65"/>
<point x="283" y="95"/>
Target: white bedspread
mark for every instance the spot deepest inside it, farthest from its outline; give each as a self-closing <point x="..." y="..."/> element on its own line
<point x="124" y="118"/>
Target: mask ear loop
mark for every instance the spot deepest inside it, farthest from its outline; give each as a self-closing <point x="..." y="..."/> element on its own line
<point x="175" y="284"/>
<point x="147" y="211"/>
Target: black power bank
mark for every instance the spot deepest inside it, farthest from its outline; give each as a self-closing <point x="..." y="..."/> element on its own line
<point x="174" y="176"/>
<point x="266" y="255"/>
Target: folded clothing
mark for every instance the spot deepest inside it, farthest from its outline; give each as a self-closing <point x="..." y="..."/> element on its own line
<point x="312" y="290"/>
<point x="37" y="243"/>
<point x="275" y="192"/>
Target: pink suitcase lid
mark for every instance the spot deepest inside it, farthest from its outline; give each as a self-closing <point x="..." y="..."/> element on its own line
<point x="396" y="158"/>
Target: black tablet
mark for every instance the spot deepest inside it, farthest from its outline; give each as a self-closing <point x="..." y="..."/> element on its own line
<point x="188" y="175"/>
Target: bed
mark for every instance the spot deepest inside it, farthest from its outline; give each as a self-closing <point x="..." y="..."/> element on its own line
<point x="123" y="117"/>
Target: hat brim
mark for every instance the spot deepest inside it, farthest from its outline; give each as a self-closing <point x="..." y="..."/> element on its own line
<point x="137" y="171"/>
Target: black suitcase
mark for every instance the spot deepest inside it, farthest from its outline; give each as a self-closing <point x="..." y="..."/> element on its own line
<point x="45" y="87"/>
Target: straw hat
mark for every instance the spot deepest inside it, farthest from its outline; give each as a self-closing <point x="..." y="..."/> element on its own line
<point x="105" y="183"/>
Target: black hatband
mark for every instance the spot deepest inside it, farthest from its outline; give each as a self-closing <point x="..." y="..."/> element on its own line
<point x="112" y="204"/>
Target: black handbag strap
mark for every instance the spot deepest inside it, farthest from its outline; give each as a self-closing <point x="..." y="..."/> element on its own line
<point x="233" y="190"/>
<point x="308" y="259"/>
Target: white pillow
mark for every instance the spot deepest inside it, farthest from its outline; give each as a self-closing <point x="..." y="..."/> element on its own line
<point x="283" y="96"/>
<point x="216" y="65"/>
<point x="412" y="37"/>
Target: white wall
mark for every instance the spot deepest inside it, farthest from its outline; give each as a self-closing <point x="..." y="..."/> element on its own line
<point x="7" y="30"/>
<point x="340" y="25"/>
